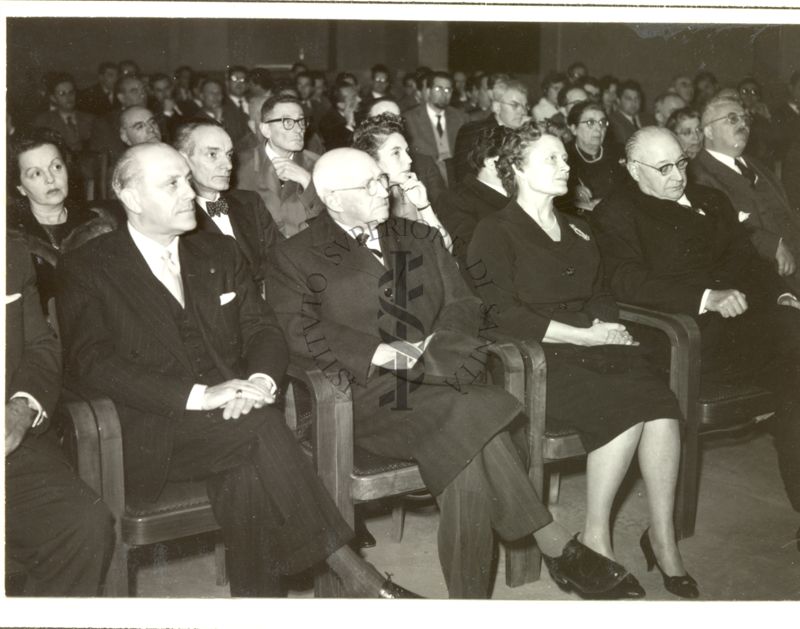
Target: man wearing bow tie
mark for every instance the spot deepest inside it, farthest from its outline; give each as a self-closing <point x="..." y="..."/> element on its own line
<point x="754" y="191"/>
<point x="241" y="214"/>
<point x="280" y="169"/>
<point x="171" y="328"/>
<point x="679" y="248"/>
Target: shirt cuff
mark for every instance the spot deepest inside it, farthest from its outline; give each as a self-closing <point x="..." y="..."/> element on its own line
<point x="704" y="300"/>
<point x="33" y="404"/>
<point x="195" y="401"/>
<point x="273" y="388"/>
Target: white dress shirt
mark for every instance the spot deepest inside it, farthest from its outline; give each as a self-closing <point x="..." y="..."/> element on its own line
<point x="223" y="221"/>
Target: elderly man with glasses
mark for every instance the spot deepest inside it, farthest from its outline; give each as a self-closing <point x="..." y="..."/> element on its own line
<point x="678" y="247"/>
<point x="280" y="169"/>
<point x="433" y="125"/>
<point x="756" y="193"/>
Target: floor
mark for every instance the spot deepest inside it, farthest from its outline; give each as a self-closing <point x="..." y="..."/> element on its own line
<point x="743" y="548"/>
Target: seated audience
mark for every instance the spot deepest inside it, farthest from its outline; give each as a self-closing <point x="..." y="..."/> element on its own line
<point x="664" y="106"/>
<point x="764" y="140"/>
<point x="576" y="71"/>
<point x="433" y="126"/>
<point x="130" y="92"/>
<point x="625" y="119"/>
<point x="99" y="99"/>
<point x="547" y="107"/>
<point x="591" y="86"/>
<point x="609" y="86"/>
<point x="755" y="192"/>
<point x="705" y="86"/>
<point x="594" y="167"/>
<point x="194" y="379"/>
<point x="598" y="382"/>
<point x="182" y="81"/>
<point x="383" y="139"/>
<point x="459" y="99"/>
<point x="380" y="87"/>
<point x="216" y="106"/>
<point x="678" y="247"/>
<point x="163" y="105"/>
<point x="685" y="124"/>
<point x="241" y="214"/>
<point x="339" y="122"/>
<point x="138" y="125"/>
<point x="75" y="127"/>
<point x="56" y="528"/>
<point x="459" y="438"/>
<point x="683" y="86"/>
<point x="41" y="214"/>
<point x="280" y="169"/>
<point x="236" y="85"/>
<point x="412" y="92"/>
<point x="787" y="117"/>
<point x="476" y="196"/>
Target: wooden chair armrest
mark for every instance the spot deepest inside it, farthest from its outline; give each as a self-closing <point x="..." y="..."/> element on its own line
<point x="513" y="367"/>
<point x="684" y="340"/>
<point x="98" y="439"/>
<point x="332" y="430"/>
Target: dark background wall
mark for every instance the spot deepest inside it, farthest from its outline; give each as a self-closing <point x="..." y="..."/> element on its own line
<point x="650" y="53"/>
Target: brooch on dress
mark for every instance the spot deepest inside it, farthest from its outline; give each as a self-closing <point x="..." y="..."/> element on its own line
<point x="580" y="233"/>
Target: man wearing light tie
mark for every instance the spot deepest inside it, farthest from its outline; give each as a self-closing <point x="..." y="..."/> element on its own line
<point x="171" y="329"/>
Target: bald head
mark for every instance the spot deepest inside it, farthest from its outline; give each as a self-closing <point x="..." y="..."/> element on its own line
<point x="347" y="181"/>
<point x="382" y="107"/>
<point x="650" y="150"/>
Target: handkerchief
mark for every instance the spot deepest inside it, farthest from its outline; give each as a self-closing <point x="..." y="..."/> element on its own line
<point x="10" y="299"/>
<point x="225" y="298"/>
<point x="743" y="216"/>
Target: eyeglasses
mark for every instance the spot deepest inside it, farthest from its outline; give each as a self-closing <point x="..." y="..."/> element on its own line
<point x="592" y="123"/>
<point x="733" y="118"/>
<point x="439" y="88"/>
<point x="750" y="90"/>
<point x="371" y="186"/>
<point x="666" y="169"/>
<point x="686" y="133"/>
<point x="238" y="79"/>
<point x="514" y="104"/>
<point x="288" y="123"/>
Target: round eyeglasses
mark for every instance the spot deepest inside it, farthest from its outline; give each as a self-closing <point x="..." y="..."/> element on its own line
<point x="666" y="169"/>
<point x="288" y="123"/>
<point x="371" y="186"/>
<point x="733" y="118"/>
<point x="515" y="106"/>
<point x="591" y="123"/>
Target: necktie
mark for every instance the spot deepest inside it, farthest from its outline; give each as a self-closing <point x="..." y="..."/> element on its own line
<point x="217" y="208"/>
<point x="362" y="239"/>
<point x="171" y="277"/>
<point x="747" y="172"/>
<point x="439" y="127"/>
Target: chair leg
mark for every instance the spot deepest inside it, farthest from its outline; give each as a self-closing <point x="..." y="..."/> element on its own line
<point x="221" y="563"/>
<point x="398" y="520"/>
<point x="117" y="584"/>
<point x="523" y="562"/>
<point x="688" y="486"/>
<point x="554" y="488"/>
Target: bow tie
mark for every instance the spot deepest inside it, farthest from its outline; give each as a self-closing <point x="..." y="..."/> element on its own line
<point x="216" y="208"/>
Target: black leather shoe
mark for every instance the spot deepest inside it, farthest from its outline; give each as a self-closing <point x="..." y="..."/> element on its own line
<point x="684" y="585"/>
<point x="590" y="574"/>
<point x="629" y="587"/>
<point x="363" y="538"/>
<point x="390" y="589"/>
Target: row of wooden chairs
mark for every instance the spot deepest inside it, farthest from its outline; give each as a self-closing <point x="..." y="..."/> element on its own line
<point x="353" y="476"/>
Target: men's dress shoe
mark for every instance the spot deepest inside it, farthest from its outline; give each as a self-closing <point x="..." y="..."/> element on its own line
<point x="390" y="589"/>
<point x="684" y="585"/>
<point x="587" y="572"/>
<point x="363" y="538"/>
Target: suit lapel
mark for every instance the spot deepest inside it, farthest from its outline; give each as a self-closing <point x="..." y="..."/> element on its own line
<point x="204" y="221"/>
<point x="451" y="128"/>
<point x="244" y="226"/>
<point x="142" y="290"/>
<point x="332" y="243"/>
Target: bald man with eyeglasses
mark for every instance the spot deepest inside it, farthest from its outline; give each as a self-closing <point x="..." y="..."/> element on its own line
<point x="673" y="245"/>
<point x="280" y="168"/>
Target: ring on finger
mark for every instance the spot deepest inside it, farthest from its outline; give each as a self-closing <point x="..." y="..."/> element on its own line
<point x="238" y="394"/>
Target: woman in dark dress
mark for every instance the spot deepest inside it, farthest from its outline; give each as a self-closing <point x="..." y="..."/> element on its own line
<point x="546" y="284"/>
<point x="42" y="214"/>
<point x="595" y="167"/>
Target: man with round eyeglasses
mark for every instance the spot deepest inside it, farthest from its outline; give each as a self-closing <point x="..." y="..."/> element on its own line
<point x="280" y="169"/>
<point x="677" y="246"/>
<point x="755" y="192"/>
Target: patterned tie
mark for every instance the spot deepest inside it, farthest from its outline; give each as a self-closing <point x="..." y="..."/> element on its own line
<point x="747" y="172"/>
<point x="171" y="277"/>
<point x="439" y="127"/>
<point x="217" y="208"/>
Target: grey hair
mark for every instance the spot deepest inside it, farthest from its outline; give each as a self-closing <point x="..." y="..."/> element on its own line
<point x="715" y="103"/>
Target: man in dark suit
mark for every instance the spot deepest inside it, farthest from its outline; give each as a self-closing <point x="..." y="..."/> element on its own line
<point x="280" y="169"/>
<point x="679" y="248"/>
<point x="433" y="126"/>
<point x="509" y="108"/>
<point x="172" y="330"/>
<point x="624" y="121"/>
<point x="338" y="123"/>
<point x="74" y="126"/>
<point x="138" y="125"/>
<point x="380" y="305"/>
<point x="754" y="191"/>
<point x="99" y="99"/>
<point x="56" y="527"/>
<point x="786" y="117"/>
<point x="216" y="106"/>
<point x="241" y="214"/>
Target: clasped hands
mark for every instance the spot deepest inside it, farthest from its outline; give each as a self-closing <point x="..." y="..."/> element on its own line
<point x="399" y="355"/>
<point x="239" y="397"/>
<point x="19" y="418"/>
<point x="605" y="333"/>
<point x="287" y="170"/>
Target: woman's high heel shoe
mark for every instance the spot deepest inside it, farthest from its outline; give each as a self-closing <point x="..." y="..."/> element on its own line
<point x="684" y="586"/>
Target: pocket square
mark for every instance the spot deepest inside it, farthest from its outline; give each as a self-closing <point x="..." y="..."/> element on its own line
<point x="743" y="216"/>
<point x="226" y="298"/>
<point x="10" y="299"/>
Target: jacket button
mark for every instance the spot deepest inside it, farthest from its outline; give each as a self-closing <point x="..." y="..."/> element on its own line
<point x="569" y="271"/>
<point x="388" y="292"/>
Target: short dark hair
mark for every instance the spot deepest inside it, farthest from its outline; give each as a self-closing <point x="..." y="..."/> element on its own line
<point x="106" y="65"/>
<point x="209" y="81"/>
<point x="27" y="141"/>
<point x="124" y="79"/>
<point x="182" y="142"/>
<point x="55" y="79"/>
<point x="261" y="77"/>
<point x="589" y="80"/>
<point x="298" y="64"/>
<point x="370" y="135"/>
<point x="607" y="81"/>
<point x="630" y="85"/>
<point x="679" y="115"/>
<point x="236" y="68"/>
<point x="487" y="145"/>
<point x="575" y="65"/>
<point x="746" y="80"/>
<point x="198" y="80"/>
<point x="316" y="74"/>
<point x="574" y="115"/>
<point x="379" y="67"/>
<point x="427" y="80"/>
<point x="304" y="75"/>
<point x="159" y="76"/>
<point x="551" y="78"/>
<point x="337" y="93"/>
<point x="274" y="101"/>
